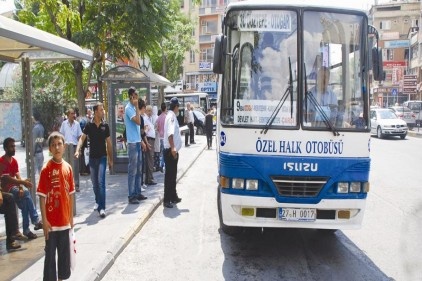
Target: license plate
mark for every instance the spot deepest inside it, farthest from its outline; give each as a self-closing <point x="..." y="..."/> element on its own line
<point x="397" y="131"/>
<point x="294" y="214"/>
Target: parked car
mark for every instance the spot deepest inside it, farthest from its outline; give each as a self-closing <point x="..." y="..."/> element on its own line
<point x="384" y="122"/>
<point x="415" y="106"/>
<point x="405" y="114"/>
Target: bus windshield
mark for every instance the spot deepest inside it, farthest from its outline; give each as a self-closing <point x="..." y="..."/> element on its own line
<point x="264" y="65"/>
<point x="263" y="76"/>
<point x="334" y="86"/>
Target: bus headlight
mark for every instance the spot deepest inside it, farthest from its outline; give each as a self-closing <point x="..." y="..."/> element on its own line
<point x="343" y="187"/>
<point x="238" y="183"/>
<point x="365" y="187"/>
<point x="224" y="182"/>
<point x="251" y="184"/>
<point x="355" y="186"/>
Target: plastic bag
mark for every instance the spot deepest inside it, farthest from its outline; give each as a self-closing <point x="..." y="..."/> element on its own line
<point x="86" y="156"/>
<point x="72" y="248"/>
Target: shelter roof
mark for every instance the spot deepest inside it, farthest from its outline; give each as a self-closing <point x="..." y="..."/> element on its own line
<point x="17" y="39"/>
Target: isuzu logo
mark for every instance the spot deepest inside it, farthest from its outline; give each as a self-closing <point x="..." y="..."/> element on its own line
<point x="300" y="167"/>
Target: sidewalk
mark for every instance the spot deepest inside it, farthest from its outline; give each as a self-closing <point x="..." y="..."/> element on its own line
<point x="416" y="132"/>
<point x="99" y="241"/>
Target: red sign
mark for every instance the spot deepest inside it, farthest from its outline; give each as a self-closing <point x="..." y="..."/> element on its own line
<point x="391" y="64"/>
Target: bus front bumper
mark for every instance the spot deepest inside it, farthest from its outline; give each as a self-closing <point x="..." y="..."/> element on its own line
<point x="249" y="211"/>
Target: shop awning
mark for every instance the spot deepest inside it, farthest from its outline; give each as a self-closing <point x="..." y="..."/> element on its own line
<point x="17" y="38"/>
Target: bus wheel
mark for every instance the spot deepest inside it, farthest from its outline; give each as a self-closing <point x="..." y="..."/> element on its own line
<point x="229" y="230"/>
<point x="327" y="231"/>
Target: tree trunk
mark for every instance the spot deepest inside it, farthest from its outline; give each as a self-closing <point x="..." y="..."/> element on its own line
<point x="80" y="93"/>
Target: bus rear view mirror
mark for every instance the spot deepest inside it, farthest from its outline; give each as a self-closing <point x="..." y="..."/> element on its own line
<point x="377" y="68"/>
<point x="219" y="54"/>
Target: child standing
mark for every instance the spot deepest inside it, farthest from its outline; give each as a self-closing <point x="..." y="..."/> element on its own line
<point x="56" y="190"/>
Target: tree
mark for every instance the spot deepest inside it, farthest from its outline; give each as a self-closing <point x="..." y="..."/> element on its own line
<point x="171" y="54"/>
<point x="112" y="29"/>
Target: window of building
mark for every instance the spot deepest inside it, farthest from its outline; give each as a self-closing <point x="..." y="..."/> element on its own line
<point x="385" y="25"/>
<point x="387" y="54"/>
<point x="415" y="22"/>
<point x="208" y="3"/>
<point x="192" y="56"/>
<point x="209" y="27"/>
<point x="207" y="55"/>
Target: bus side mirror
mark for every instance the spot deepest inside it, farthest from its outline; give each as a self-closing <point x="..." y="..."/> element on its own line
<point x="219" y="54"/>
<point x="377" y="68"/>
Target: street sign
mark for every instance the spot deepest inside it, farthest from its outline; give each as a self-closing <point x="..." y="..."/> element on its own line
<point x="411" y="90"/>
<point x="410" y="77"/>
<point x="394" y="92"/>
<point x="409" y="83"/>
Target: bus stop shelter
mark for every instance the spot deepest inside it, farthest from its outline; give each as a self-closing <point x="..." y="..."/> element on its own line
<point x="21" y="43"/>
<point x="119" y="80"/>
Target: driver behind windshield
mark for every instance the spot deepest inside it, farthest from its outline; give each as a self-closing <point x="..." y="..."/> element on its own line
<point x="325" y="97"/>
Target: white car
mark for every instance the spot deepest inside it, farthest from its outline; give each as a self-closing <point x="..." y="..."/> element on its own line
<point x="385" y="123"/>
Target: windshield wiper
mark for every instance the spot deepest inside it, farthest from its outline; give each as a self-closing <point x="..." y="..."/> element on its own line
<point x="320" y="110"/>
<point x="276" y="110"/>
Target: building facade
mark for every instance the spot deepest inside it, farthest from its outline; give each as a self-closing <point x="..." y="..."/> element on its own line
<point x="197" y="67"/>
<point x="398" y="23"/>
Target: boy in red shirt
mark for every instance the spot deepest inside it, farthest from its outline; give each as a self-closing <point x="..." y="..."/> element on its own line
<point x="56" y="190"/>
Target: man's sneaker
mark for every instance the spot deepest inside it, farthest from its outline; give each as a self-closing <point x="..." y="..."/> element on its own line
<point x="13" y="245"/>
<point x="38" y="226"/>
<point x="19" y="236"/>
<point x="167" y="205"/>
<point x="133" y="200"/>
<point x="152" y="183"/>
<point x="141" y="197"/>
<point x="31" y="235"/>
<point x="102" y="214"/>
<point x="95" y="207"/>
<point x="142" y="189"/>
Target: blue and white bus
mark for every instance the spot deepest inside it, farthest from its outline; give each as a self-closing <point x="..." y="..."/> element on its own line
<point x="292" y="152"/>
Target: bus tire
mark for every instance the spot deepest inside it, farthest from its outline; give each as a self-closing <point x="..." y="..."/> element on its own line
<point x="229" y="230"/>
<point x="327" y="231"/>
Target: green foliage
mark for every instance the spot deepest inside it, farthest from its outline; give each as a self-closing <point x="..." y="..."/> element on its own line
<point x="112" y="29"/>
<point x="168" y="58"/>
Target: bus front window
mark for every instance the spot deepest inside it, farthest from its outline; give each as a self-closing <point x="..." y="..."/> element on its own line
<point x="334" y="89"/>
<point x="263" y="65"/>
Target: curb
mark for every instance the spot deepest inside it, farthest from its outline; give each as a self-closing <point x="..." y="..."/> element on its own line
<point x="415" y="134"/>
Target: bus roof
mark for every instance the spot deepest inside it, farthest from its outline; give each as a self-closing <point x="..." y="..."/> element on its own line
<point x="270" y="4"/>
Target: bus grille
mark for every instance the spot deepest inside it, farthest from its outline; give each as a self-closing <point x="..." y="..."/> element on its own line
<point x="292" y="186"/>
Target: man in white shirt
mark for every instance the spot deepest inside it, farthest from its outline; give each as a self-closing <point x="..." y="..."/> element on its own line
<point x="149" y="155"/>
<point x="71" y="130"/>
<point x="172" y="144"/>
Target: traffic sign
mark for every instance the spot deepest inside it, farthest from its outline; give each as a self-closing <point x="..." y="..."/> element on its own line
<point x="410" y="90"/>
<point x="410" y="77"/>
<point x="394" y="92"/>
<point x="409" y="83"/>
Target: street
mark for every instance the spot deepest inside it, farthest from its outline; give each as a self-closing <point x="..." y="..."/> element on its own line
<point x="185" y="243"/>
